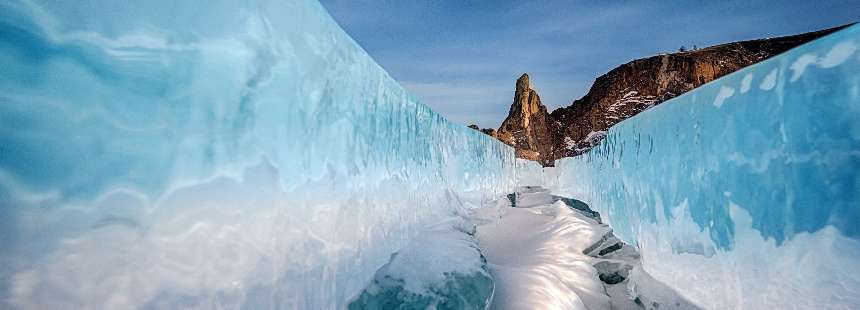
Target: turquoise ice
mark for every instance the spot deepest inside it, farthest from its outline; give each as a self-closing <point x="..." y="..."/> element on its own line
<point x="161" y="154"/>
<point x="249" y="154"/>
<point x="743" y="193"/>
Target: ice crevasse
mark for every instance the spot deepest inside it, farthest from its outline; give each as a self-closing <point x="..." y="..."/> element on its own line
<point x="239" y="154"/>
<point x="743" y="193"/>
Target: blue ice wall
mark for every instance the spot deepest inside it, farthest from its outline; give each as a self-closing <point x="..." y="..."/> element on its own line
<point x="744" y="193"/>
<point x="199" y="154"/>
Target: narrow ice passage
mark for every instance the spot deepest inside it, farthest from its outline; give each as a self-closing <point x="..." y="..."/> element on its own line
<point x="550" y="252"/>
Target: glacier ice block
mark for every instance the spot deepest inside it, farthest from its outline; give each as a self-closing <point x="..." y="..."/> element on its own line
<point x="745" y="192"/>
<point x="194" y="154"/>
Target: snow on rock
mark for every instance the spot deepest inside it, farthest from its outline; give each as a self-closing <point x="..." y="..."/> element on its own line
<point x="591" y="140"/>
<point x="594" y="136"/>
<point x="631" y="97"/>
<point x="569" y="143"/>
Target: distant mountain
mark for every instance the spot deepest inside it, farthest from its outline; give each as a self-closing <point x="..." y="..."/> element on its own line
<point x="623" y="92"/>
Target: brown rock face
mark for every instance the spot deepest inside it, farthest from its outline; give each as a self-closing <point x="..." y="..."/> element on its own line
<point x="625" y="91"/>
<point x="490" y="132"/>
<point x="487" y="131"/>
<point x="527" y="126"/>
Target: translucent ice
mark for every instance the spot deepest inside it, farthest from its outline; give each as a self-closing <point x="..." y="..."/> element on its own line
<point x="744" y="193"/>
<point x="239" y="154"/>
<point x="442" y="268"/>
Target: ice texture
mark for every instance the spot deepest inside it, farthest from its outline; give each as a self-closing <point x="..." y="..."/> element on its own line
<point x="198" y="154"/>
<point x="442" y="268"/>
<point x="743" y="193"/>
<point x="529" y="173"/>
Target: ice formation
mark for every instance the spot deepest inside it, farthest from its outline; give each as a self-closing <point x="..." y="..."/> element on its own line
<point x="551" y="252"/>
<point x="442" y="268"/>
<point x="239" y="154"/>
<point x="251" y="155"/>
<point x="535" y="251"/>
<point x="744" y="193"/>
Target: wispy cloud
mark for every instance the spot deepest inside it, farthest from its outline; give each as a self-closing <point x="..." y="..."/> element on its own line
<point x="466" y="103"/>
<point x="463" y="57"/>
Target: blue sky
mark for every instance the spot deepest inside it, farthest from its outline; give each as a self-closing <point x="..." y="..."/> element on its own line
<point x="463" y="57"/>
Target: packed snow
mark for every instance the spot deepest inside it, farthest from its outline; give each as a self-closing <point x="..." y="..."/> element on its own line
<point x="535" y="256"/>
<point x="548" y="252"/>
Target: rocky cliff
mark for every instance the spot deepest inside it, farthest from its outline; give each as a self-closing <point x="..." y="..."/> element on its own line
<point x="623" y="92"/>
<point x="527" y="126"/>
